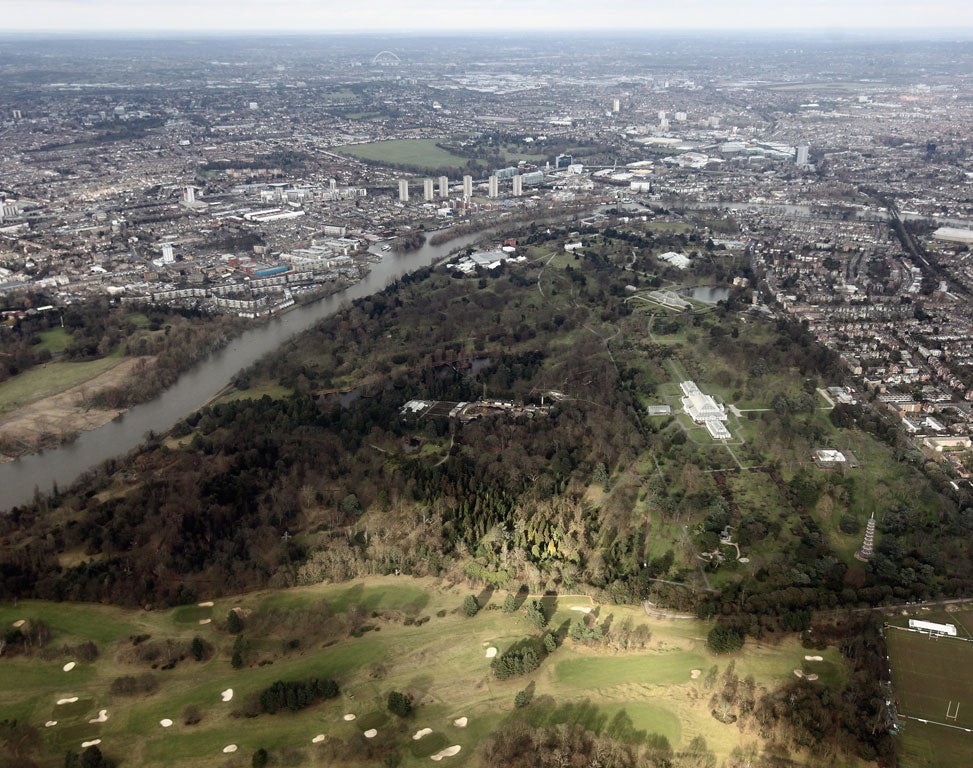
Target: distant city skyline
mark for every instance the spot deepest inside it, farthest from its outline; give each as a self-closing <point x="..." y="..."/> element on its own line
<point x="499" y="15"/>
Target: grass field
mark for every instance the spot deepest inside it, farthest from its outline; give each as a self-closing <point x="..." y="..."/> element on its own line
<point x="55" y="340"/>
<point x="51" y="379"/>
<point x="929" y="677"/>
<point x="420" y="152"/>
<point x="414" y="639"/>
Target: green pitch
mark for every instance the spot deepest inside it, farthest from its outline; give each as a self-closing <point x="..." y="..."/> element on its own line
<point x="932" y="679"/>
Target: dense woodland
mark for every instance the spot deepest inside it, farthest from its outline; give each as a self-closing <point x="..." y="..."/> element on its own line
<point x="302" y="488"/>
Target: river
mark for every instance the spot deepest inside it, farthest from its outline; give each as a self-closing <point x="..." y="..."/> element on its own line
<point x="199" y="385"/>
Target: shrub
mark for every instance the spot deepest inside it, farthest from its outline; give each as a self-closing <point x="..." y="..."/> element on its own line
<point x="471" y="606"/>
<point x="399" y="704"/>
<point x="191" y="715"/>
<point x="509" y="604"/>
<point x="522" y="699"/>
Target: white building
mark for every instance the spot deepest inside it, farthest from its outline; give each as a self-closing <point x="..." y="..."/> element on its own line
<point x="428" y="190"/>
<point x="443" y="187"/>
<point x="703" y="409"/>
<point x="403" y="190"/>
<point x="518" y="185"/>
<point x="467" y="187"/>
<point x="931" y="627"/>
<point x="494" y="186"/>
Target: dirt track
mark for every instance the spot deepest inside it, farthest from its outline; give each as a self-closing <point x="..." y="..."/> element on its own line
<point x="58" y="418"/>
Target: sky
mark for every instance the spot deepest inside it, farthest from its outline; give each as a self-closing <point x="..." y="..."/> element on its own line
<point x="479" y="15"/>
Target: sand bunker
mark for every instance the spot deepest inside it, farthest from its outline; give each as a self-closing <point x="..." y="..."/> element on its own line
<point x="799" y="673"/>
<point x="205" y="621"/>
<point x="448" y="752"/>
<point x="19" y="623"/>
<point x="207" y="604"/>
<point x="810" y="677"/>
<point x="491" y="652"/>
<point x="227" y="694"/>
<point x="371" y="733"/>
<point x="69" y="700"/>
<point x="695" y="673"/>
<point x="814" y="658"/>
<point x="581" y="608"/>
<point x="460" y="722"/>
<point x="69" y="666"/>
<point x="349" y="717"/>
<point x="92" y="743"/>
<point x="318" y="739"/>
<point x="102" y="717"/>
<point x="165" y="722"/>
<point x="229" y="749"/>
<point x="420" y="733"/>
<point x="50" y="723"/>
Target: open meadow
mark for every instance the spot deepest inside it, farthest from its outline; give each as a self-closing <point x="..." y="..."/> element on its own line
<point x="412" y="152"/>
<point x="372" y="636"/>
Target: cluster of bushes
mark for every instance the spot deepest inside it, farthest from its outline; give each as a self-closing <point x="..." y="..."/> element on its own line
<point x="132" y="685"/>
<point x="296" y="694"/>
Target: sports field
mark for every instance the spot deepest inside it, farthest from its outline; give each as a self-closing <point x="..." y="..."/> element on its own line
<point x="412" y="152"/>
<point x="932" y="680"/>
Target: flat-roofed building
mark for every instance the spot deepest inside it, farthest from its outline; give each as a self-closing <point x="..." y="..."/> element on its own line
<point x="933" y="627"/>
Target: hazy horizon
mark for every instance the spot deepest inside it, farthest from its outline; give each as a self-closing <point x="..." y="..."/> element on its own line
<point x="289" y="17"/>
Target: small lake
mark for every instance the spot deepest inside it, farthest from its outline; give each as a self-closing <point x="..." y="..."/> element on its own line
<point x="709" y="294"/>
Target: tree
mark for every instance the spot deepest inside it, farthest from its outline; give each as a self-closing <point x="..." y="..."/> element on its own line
<point x="509" y="603"/>
<point x="236" y="661"/>
<point x="522" y="699"/>
<point x="234" y="624"/>
<point x="550" y="643"/>
<point x="471" y="606"/>
<point x="722" y="639"/>
<point x="399" y="704"/>
<point x="535" y="614"/>
<point x="198" y="649"/>
<point x="259" y="758"/>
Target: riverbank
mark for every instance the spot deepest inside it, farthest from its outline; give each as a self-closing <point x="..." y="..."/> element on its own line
<point x="58" y="419"/>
